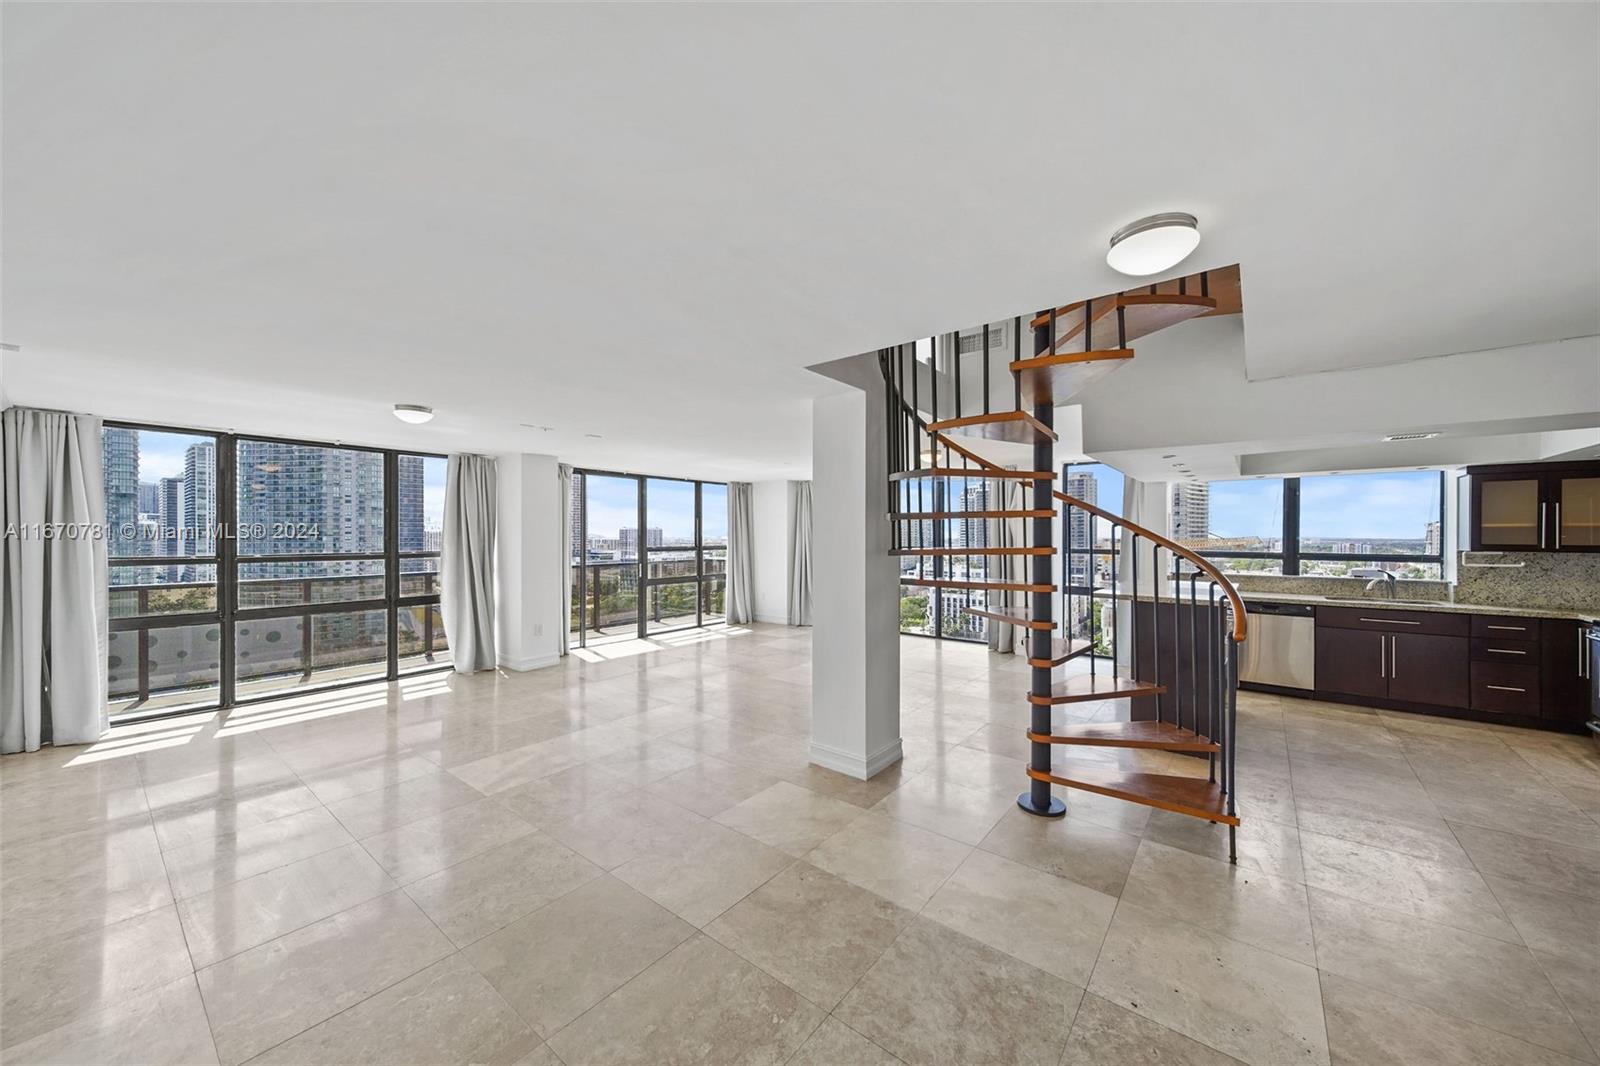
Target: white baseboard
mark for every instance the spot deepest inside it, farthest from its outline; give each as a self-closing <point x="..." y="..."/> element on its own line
<point x="534" y="662"/>
<point x="853" y="765"/>
<point x="772" y="619"/>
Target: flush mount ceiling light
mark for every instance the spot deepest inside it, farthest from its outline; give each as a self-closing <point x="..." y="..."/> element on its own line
<point x="1411" y="436"/>
<point x="1154" y="243"/>
<point x="415" y="413"/>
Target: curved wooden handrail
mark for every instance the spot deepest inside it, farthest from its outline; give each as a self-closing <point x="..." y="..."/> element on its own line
<point x="1200" y="562"/>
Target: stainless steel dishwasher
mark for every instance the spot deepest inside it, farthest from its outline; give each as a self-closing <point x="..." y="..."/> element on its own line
<point x="1280" y="648"/>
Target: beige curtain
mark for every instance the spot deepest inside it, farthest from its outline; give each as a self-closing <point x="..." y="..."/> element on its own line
<point x="466" y="595"/>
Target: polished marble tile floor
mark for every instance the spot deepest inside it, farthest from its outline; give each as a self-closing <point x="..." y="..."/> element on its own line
<point x="628" y="858"/>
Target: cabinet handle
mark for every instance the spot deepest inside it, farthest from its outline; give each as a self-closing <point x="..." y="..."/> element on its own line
<point x="1558" y="525"/>
<point x="1505" y="688"/>
<point x="1509" y="629"/>
<point x="1541" y="523"/>
<point x="1394" y="659"/>
<point x="1391" y="622"/>
<point x="1505" y="651"/>
<point x="1383" y="657"/>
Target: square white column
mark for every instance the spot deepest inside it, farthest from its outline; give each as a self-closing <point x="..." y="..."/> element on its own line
<point x="855" y="617"/>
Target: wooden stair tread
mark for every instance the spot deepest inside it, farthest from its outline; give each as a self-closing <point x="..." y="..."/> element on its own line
<point x="994" y="586"/>
<point x="973" y="551"/>
<point x="1019" y="427"/>
<point x="1163" y="736"/>
<point x="1009" y="619"/>
<point x="1194" y="796"/>
<point x="975" y="474"/>
<point x="1053" y="378"/>
<point x="1081" y="688"/>
<point x="1060" y="651"/>
<point x="933" y="516"/>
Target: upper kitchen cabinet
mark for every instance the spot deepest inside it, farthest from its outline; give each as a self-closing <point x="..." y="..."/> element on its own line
<point x="1577" y="510"/>
<point x="1535" y="507"/>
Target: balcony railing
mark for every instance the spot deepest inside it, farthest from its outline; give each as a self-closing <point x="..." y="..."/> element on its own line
<point x="174" y="654"/>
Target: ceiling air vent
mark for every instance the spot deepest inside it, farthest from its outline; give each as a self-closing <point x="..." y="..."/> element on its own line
<point x="999" y="339"/>
<point x="1410" y="436"/>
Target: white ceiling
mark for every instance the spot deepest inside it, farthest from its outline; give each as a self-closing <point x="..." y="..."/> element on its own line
<point x="643" y="222"/>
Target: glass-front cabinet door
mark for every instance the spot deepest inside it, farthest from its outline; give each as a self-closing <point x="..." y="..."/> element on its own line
<point x="1508" y="512"/>
<point x="1577" y="511"/>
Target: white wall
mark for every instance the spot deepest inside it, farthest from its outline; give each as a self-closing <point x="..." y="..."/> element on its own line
<point x="529" y="569"/>
<point x="769" y="515"/>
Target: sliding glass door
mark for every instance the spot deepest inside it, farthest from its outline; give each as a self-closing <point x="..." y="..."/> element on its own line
<point x="649" y="554"/>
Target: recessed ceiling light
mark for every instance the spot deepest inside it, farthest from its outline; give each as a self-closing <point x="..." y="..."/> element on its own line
<point x="415" y="413"/>
<point x="1154" y="243"/>
<point x="1411" y="436"/>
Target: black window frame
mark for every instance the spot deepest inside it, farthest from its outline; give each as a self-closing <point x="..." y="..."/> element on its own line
<point x="227" y="559"/>
<point x="700" y="579"/>
<point x="1291" y="556"/>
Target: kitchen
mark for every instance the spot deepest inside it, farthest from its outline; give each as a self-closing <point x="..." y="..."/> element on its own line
<point x="1514" y="638"/>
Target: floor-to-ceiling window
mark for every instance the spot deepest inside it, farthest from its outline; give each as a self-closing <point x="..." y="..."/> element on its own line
<point x="284" y="565"/>
<point x="939" y="611"/>
<point x="649" y="554"/>
<point x="1093" y="553"/>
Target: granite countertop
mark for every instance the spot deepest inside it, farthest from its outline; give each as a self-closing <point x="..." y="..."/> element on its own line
<point x="1375" y="603"/>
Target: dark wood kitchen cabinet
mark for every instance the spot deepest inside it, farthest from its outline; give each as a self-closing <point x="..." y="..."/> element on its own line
<point x="1563" y="680"/>
<point x="1350" y="662"/>
<point x="1507" y="668"/>
<point x="1427" y="668"/>
<point x="1535" y="507"/>
<point x="1407" y="656"/>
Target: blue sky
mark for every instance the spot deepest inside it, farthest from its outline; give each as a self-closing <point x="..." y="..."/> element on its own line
<point x="613" y="505"/>
<point x="1394" y="505"/>
<point x="1390" y="505"/>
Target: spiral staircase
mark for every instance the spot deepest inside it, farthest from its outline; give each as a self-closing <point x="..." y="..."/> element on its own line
<point x="1142" y="620"/>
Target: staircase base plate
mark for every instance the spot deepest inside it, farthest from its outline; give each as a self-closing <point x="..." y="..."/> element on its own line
<point x="1057" y="808"/>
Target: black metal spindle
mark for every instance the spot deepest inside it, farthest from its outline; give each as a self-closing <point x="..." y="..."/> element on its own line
<point x="1133" y="613"/>
<point x="955" y="354"/>
<point x="1116" y="611"/>
<point x="1088" y="526"/>
<point x="1194" y="656"/>
<point x="1155" y="620"/>
<point x="1233" y="720"/>
<point x="986" y="368"/>
<point x="1214" y="666"/>
<point x="916" y="406"/>
<point x="1016" y="356"/>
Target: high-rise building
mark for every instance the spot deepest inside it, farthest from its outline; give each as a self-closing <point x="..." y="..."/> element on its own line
<point x="119" y="454"/>
<point x="150" y="498"/>
<point x="576" y="508"/>
<point x="1191" y="512"/>
<point x="169" y="521"/>
<point x="1084" y="487"/>
<point x="199" y="499"/>
<point x="409" y="504"/>
<point x="1430" y="539"/>
<point x="628" y="540"/>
